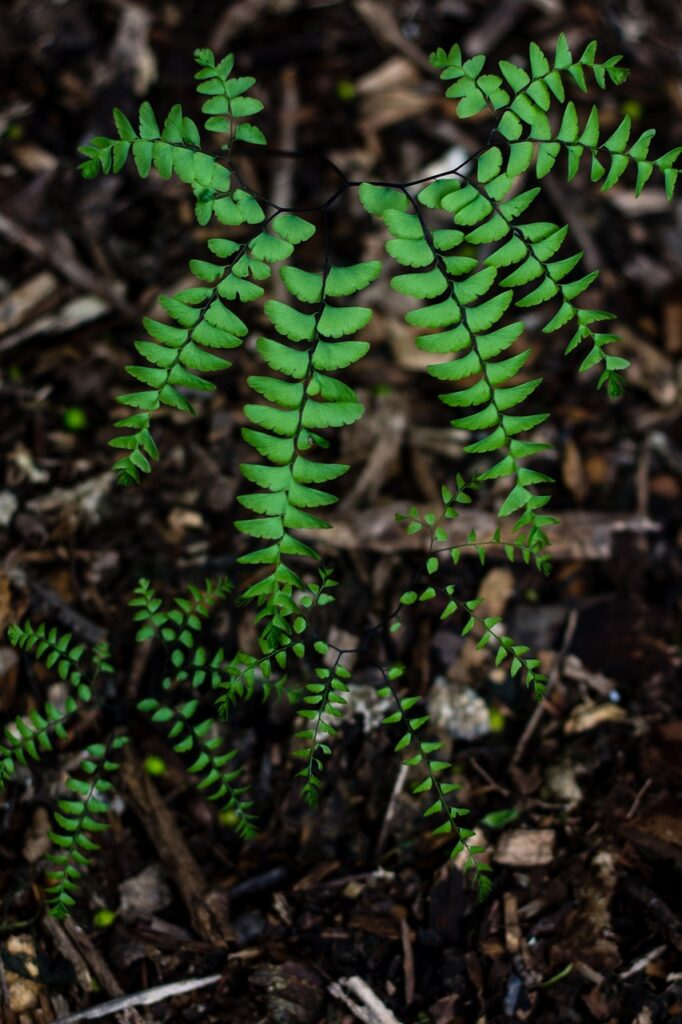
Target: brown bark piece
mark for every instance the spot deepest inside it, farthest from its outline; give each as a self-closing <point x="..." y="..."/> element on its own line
<point x="209" y="918"/>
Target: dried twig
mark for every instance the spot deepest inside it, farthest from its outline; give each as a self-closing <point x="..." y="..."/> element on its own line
<point x="362" y="1002"/>
<point x="637" y="802"/>
<point x="538" y="713"/>
<point x="488" y="778"/>
<point x="69" y="951"/>
<point x="408" y="961"/>
<point x="58" y="252"/>
<point x="146" y="998"/>
<point x="236" y="18"/>
<point x="494" y="27"/>
<point x="26" y="298"/>
<point x="99" y="967"/>
<point x="643" y="962"/>
<point x="381" y="20"/>
<point x="398" y="787"/>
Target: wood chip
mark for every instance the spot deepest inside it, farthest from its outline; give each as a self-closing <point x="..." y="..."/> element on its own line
<point x="512" y="928"/>
<point x="525" y="847"/>
<point x="574" y="670"/>
<point x="21" y="302"/>
<point x="24" y="988"/>
<point x="590" y="716"/>
<point x="75" y="313"/>
<point x="9" y="673"/>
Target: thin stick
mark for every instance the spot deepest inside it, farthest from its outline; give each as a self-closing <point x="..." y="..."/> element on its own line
<point x="365" y="1005"/>
<point x="408" y="961"/>
<point x="398" y="787"/>
<point x="643" y="962"/>
<point x="537" y="716"/>
<point x="637" y="802"/>
<point x="146" y="998"/>
<point x="488" y="778"/>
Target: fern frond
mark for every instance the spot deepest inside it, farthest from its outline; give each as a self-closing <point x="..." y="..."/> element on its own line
<point x="506" y="648"/>
<point x="101" y="659"/>
<point x="228" y="102"/>
<point x="306" y="402"/>
<point x="150" y="613"/>
<point x="27" y="738"/>
<point x="77" y="819"/>
<point x="245" y="675"/>
<point x="268" y="674"/>
<point x="418" y="752"/>
<point x="609" y="159"/>
<point x="178" y="627"/>
<point x="57" y="651"/>
<point x="523" y="96"/>
<point x="522" y="101"/>
<point x="174" y="149"/>
<point x="180" y="354"/>
<point x="466" y="322"/>
<point x="531" y="248"/>
<point x="210" y="763"/>
<point x="324" y="701"/>
<point x="516" y="545"/>
<point x="186" y="617"/>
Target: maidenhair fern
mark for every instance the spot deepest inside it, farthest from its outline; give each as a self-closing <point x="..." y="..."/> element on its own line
<point x="462" y="246"/>
<point x="82" y="813"/>
<point x="471" y="284"/>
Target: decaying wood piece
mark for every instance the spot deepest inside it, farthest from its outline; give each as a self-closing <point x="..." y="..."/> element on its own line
<point x="95" y="962"/>
<point x="208" y="913"/>
<point x="55" y="929"/>
<point x="579" y="536"/>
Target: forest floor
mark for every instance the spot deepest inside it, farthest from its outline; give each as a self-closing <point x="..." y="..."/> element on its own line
<point x="352" y="908"/>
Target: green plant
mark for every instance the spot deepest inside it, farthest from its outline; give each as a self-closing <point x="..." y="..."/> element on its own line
<point x="473" y="263"/>
<point x="86" y="673"/>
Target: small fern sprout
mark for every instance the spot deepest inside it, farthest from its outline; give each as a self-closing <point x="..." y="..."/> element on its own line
<point x="26" y="739"/>
<point x="419" y="752"/>
<point x="324" y="701"/>
<point x="77" y="819"/>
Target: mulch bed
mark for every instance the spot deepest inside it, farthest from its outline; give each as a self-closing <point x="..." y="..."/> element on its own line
<point x="350" y="908"/>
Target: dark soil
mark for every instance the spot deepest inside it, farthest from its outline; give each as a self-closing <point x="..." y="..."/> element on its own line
<point x="583" y="923"/>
